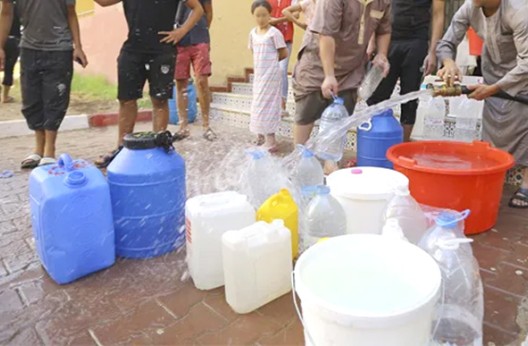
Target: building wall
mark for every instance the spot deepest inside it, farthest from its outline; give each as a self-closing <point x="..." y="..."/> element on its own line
<point x="103" y="31"/>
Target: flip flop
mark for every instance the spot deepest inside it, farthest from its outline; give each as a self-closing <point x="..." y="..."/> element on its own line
<point x="47" y="161"/>
<point x="105" y="160"/>
<point x="6" y="174"/>
<point x="31" y="161"/>
<point x="210" y="135"/>
<point x="181" y="135"/>
<point x="521" y="197"/>
<point x="9" y="100"/>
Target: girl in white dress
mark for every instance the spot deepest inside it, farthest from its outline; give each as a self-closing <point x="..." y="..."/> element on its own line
<point x="268" y="47"/>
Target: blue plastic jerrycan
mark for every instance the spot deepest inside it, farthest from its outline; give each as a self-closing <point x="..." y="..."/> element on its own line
<point x="72" y="220"/>
<point x="192" y="108"/>
<point x="147" y="185"/>
<point x="375" y="137"/>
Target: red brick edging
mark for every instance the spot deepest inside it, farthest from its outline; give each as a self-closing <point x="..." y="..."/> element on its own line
<point x="108" y="119"/>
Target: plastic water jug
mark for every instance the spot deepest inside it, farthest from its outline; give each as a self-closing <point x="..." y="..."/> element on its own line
<point x="370" y="83"/>
<point x="466" y="112"/>
<point x="207" y="218"/>
<point x="375" y="137"/>
<point x="459" y="316"/>
<point x="392" y="229"/>
<point x="147" y="185"/>
<point x="325" y="218"/>
<point x="330" y="146"/>
<point x="410" y="216"/>
<point x="281" y="206"/>
<point x="72" y="221"/>
<point x="257" y="265"/>
<point x="434" y="117"/>
<point x="309" y="172"/>
<point x="192" y="109"/>
<point x="262" y="178"/>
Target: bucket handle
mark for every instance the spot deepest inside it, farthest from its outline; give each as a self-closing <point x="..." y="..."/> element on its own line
<point x="299" y="314"/>
<point x="66" y="162"/>
<point x="368" y="127"/>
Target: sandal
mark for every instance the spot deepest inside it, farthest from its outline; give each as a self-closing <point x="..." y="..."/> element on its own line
<point x="259" y="141"/>
<point x="31" y="161"/>
<point x="209" y="135"/>
<point x="9" y="100"/>
<point x="519" y="199"/>
<point x="47" y="161"/>
<point x="105" y="160"/>
<point x="181" y="135"/>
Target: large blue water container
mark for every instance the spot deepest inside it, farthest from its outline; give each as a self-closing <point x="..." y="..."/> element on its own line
<point x="72" y="220"/>
<point x="147" y="185"/>
<point x="192" y="108"/>
<point x="375" y="137"/>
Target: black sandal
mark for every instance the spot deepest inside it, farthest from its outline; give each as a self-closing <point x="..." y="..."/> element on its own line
<point x="519" y="199"/>
<point x="105" y="160"/>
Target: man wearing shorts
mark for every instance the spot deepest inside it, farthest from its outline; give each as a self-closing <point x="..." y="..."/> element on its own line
<point x="193" y="50"/>
<point x="333" y="56"/>
<point x="148" y="54"/>
<point x="51" y="41"/>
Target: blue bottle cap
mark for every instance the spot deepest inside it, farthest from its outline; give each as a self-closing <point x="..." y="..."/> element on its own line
<point x="339" y="101"/>
<point x="256" y="154"/>
<point x="75" y="179"/>
<point x="449" y="219"/>
<point x="323" y="190"/>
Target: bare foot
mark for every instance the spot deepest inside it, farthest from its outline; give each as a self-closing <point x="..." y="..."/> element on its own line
<point x="330" y="167"/>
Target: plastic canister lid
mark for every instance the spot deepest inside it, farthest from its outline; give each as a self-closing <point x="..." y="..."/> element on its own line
<point x="368" y="183"/>
<point x="323" y="190"/>
<point x="386" y="113"/>
<point x="339" y="101"/>
<point x="75" y="179"/>
<point x="140" y="140"/>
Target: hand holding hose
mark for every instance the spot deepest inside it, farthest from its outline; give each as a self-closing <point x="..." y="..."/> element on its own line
<point x="450" y="73"/>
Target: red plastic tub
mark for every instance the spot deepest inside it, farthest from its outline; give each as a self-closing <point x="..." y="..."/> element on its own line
<point x="455" y="175"/>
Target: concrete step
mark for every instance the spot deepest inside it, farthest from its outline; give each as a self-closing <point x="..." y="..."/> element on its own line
<point x="247" y="89"/>
<point x="243" y="101"/>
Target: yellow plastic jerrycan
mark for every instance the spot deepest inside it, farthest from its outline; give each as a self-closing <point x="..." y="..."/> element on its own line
<point x="282" y="206"/>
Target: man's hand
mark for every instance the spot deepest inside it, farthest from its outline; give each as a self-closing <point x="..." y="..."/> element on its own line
<point x="330" y="87"/>
<point x="173" y="36"/>
<point x="371" y="48"/>
<point x="2" y="59"/>
<point x="482" y="91"/>
<point x="450" y="73"/>
<point x="381" y="61"/>
<point x="429" y="64"/>
<point x="80" y="57"/>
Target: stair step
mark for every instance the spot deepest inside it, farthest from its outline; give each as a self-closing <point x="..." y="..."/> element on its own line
<point x="247" y="89"/>
<point x="239" y="118"/>
<point x="242" y="101"/>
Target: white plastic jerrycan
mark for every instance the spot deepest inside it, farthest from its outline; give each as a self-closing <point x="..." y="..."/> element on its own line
<point x="208" y="217"/>
<point x="257" y="265"/>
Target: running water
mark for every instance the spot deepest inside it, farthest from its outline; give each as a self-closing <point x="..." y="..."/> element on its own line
<point x="322" y="140"/>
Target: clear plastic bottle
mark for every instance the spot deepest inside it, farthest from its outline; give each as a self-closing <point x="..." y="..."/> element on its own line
<point x="370" y="83"/>
<point x="262" y="178"/>
<point x="309" y="172"/>
<point x="404" y="208"/>
<point x="325" y="217"/>
<point x="460" y="312"/>
<point x="434" y="117"/>
<point x="329" y="144"/>
<point x="393" y="230"/>
<point x="466" y="112"/>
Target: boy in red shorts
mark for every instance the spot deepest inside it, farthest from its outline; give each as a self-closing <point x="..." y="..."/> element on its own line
<point x="193" y="50"/>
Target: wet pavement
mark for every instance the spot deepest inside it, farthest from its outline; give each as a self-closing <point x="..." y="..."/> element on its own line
<point x="151" y="302"/>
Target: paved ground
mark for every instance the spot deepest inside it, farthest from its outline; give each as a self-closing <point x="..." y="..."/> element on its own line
<point x="151" y="302"/>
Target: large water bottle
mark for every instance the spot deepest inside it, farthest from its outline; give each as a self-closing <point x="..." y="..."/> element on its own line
<point x="459" y="316"/>
<point x="330" y="142"/>
<point x="370" y="82"/>
<point x="434" y="117"/>
<point x="262" y="178"/>
<point x="325" y="217"/>
<point x="466" y="113"/>
<point x="309" y="172"/>
<point x="392" y="229"/>
<point x="404" y="208"/>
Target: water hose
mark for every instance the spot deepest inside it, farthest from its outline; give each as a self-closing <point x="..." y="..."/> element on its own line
<point x="458" y="89"/>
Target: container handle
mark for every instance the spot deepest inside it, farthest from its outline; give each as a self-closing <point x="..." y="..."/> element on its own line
<point x="299" y="314"/>
<point x="66" y="162"/>
<point x="368" y="127"/>
<point x="407" y="160"/>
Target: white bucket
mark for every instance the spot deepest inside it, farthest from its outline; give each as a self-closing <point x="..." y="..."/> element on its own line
<point x="367" y="290"/>
<point x="364" y="193"/>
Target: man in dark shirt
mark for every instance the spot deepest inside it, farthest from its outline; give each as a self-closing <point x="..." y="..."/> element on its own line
<point x="193" y="50"/>
<point x="411" y="53"/>
<point x="148" y="54"/>
<point x="11" y="51"/>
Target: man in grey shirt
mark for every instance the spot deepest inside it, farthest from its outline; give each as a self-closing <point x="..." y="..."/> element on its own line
<point x="50" y="43"/>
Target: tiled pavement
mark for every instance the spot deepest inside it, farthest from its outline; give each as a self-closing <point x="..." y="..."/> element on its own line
<point x="152" y="302"/>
